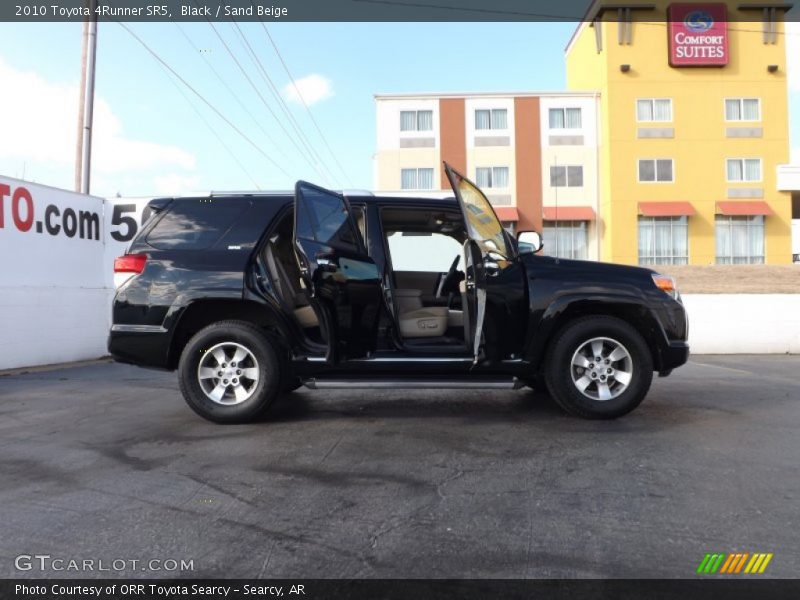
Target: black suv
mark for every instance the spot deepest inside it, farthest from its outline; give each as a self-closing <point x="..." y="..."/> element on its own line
<point x="252" y="295"/>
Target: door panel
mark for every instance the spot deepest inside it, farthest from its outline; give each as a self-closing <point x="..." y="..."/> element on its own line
<point x="488" y="256"/>
<point x="342" y="280"/>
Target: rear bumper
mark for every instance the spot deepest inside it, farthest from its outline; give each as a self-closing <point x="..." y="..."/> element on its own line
<point x="142" y="345"/>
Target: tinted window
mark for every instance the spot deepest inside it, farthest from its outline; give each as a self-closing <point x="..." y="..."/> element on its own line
<point x="325" y="215"/>
<point x="482" y="224"/>
<point x="196" y="223"/>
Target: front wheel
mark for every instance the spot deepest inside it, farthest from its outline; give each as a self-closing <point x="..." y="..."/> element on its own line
<point x="599" y="368"/>
<point x="229" y="372"/>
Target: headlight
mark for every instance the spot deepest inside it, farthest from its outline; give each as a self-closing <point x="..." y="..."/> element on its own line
<point x="666" y="284"/>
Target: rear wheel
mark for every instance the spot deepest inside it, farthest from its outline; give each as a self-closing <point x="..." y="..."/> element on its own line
<point x="229" y="372"/>
<point x="599" y="368"/>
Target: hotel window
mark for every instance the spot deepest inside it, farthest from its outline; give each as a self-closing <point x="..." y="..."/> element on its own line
<point x="742" y="109"/>
<point x="566" y="176"/>
<point x="663" y="241"/>
<point x="654" y="109"/>
<point x="491" y="177"/>
<point x="656" y="170"/>
<point x="565" y="239"/>
<point x="496" y="118"/>
<point x="416" y="179"/>
<point x="741" y="170"/>
<point x="565" y="118"/>
<point x="416" y="120"/>
<point x="740" y="240"/>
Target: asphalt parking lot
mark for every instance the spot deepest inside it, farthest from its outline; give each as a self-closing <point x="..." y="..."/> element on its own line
<point x="106" y="462"/>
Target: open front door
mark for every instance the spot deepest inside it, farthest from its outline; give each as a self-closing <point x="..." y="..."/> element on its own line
<point x="486" y="252"/>
<point x="342" y="281"/>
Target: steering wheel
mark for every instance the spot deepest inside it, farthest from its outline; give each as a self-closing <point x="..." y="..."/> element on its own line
<point x="449" y="278"/>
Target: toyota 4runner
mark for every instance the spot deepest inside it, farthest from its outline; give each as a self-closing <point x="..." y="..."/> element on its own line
<point x="252" y="295"/>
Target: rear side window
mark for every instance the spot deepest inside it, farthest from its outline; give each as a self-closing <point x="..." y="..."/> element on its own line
<point x="325" y="219"/>
<point x="195" y="223"/>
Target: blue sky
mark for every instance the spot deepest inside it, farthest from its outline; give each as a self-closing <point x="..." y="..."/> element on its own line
<point x="150" y="140"/>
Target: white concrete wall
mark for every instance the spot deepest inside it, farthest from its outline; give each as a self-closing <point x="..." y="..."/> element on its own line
<point x="56" y="284"/>
<point x="743" y="323"/>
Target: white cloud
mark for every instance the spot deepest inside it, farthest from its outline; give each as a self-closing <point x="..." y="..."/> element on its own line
<point x="38" y="121"/>
<point x="313" y="88"/>
<point x="793" y="55"/>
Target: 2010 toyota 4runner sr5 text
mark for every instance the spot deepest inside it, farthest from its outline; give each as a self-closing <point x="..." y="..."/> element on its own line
<point x="252" y="295"/>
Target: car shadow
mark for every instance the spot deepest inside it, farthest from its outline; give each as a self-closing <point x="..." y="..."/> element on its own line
<point x="468" y="408"/>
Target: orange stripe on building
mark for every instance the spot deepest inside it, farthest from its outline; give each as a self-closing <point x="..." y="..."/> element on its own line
<point x="452" y="136"/>
<point x="528" y="162"/>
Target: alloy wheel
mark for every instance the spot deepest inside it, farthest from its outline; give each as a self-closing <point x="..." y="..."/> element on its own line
<point x="601" y="368"/>
<point x="228" y="373"/>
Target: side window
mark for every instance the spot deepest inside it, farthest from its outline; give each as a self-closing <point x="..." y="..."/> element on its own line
<point x="323" y="216"/>
<point x="422" y="251"/>
<point x="196" y="223"/>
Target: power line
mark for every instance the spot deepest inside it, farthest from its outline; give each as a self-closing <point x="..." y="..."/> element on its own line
<point x="277" y="95"/>
<point x="202" y="98"/>
<point x="303" y="100"/>
<point x="543" y="16"/>
<point x="263" y="100"/>
<point x="214" y="133"/>
<point x="222" y="81"/>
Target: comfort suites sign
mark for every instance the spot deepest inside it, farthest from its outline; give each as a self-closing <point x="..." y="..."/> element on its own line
<point x="698" y="35"/>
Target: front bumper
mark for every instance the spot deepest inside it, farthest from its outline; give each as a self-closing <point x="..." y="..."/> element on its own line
<point x="675" y="354"/>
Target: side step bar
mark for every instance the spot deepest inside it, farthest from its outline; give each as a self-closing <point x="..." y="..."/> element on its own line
<point x="413" y="384"/>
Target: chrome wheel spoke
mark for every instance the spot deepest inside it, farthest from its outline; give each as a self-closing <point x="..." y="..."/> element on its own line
<point x="580" y="360"/>
<point x="603" y="391"/>
<point x="207" y="373"/>
<point x="239" y="355"/>
<point x="597" y="348"/>
<point x="240" y="393"/>
<point x="618" y="354"/>
<point x="583" y="383"/>
<point x="250" y="373"/>
<point x="219" y="354"/>
<point x="218" y="392"/>
<point x="623" y="377"/>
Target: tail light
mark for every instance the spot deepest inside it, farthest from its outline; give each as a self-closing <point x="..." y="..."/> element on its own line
<point x="128" y="266"/>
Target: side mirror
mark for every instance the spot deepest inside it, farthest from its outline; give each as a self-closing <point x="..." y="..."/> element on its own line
<point x="529" y="242"/>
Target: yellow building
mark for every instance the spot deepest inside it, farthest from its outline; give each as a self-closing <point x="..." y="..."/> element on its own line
<point x="693" y="121"/>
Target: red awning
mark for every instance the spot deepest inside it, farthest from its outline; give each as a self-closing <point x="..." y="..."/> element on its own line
<point x="748" y="207"/>
<point x="568" y="213"/>
<point x="506" y="213"/>
<point x="666" y="209"/>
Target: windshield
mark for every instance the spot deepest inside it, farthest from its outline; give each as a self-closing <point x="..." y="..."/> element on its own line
<point x="482" y="224"/>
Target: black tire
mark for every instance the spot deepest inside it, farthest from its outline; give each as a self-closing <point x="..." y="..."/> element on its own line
<point x="559" y="376"/>
<point x="266" y="389"/>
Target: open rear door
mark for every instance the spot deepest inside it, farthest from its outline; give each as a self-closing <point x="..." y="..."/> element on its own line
<point x="342" y="281"/>
<point x="486" y="251"/>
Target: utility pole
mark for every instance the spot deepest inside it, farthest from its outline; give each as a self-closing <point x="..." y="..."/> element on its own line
<point x="83" y="149"/>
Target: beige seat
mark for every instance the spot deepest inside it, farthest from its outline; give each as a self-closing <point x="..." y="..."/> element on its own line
<point x="288" y="288"/>
<point x="417" y="321"/>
